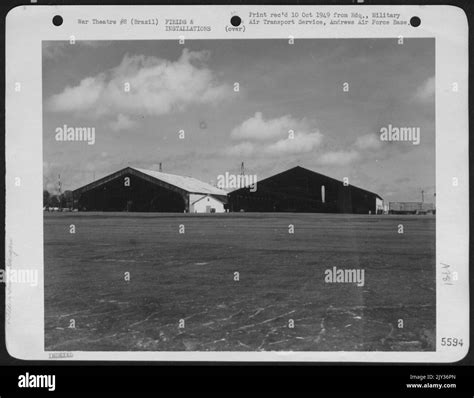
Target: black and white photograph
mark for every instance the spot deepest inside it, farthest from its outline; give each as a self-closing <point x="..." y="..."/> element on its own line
<point x="274" y="195"/>
<point x="239" y="195"/>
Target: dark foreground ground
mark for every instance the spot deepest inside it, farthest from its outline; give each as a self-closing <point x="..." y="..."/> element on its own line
<point x="190" y="277"/>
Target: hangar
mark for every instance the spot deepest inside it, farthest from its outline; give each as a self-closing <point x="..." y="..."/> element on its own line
<point x="302" y="190"/>
<point x="135" y="189"/>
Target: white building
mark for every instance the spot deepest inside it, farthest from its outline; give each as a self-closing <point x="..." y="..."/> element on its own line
<point x="205" y="204"/>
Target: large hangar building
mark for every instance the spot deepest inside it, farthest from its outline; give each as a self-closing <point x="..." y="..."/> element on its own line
<point x="302" y="190"/>
<point x="135" y="189"/>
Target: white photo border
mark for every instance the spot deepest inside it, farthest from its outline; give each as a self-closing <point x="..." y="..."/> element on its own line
<point x="28" y="26"/>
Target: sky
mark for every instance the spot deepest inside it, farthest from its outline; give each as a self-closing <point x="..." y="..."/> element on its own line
<point x="138" y="95"/>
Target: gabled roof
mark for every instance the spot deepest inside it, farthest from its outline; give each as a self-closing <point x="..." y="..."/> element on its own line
<point x="204" y="197"/>
<point x="188" y="184"/>
<point x="302" y="170"/>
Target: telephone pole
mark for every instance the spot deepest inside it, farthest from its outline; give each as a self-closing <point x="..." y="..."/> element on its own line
<point x="59" y="189"/>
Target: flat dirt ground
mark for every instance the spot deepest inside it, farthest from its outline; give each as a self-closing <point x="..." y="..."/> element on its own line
<point x="190" y="277"/>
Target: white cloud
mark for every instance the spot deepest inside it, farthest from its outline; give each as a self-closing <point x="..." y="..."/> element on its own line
<point x="270" y="137"/>
<point x="85" y="96"/>
<point x="283" y="135"/>
<point x="122" y="123"/>
<point x="426" y="91"/>
<point x="301" y="143"/>
<point x="338" y="158"/>
<point x="368" y="141"/>
<point x="156" y="87"/>
<point x="259" y="128"/>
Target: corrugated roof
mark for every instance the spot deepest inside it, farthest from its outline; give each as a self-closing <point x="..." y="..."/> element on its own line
<point x="188" y="184"/>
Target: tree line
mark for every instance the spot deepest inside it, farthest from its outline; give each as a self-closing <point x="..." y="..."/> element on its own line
<point x="63" y="200"/>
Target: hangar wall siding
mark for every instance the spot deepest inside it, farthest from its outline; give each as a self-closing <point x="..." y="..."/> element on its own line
<point x="301" y="190"/>
<point x="140" y="195"/>
<point x="132" y="190"/>
<point x="294" y="190"/>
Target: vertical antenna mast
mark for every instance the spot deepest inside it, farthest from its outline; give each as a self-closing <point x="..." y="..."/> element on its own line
<point x="59" y="189"/>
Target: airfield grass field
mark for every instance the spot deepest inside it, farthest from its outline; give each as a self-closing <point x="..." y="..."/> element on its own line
<point x="191" y="277"/>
